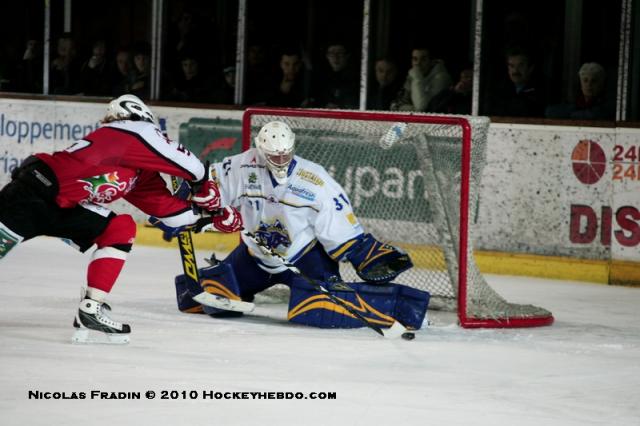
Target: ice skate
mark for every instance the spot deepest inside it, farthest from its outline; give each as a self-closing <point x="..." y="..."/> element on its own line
<point x="93" y="325"/>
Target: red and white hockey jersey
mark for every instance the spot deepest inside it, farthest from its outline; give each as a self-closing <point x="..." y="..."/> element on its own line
<point x="124" y="159"/>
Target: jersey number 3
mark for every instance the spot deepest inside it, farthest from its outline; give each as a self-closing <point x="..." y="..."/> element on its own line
<point x="339" y="200"/>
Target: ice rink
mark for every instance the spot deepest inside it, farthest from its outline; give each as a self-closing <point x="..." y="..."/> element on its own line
<point x="583" y="370"/>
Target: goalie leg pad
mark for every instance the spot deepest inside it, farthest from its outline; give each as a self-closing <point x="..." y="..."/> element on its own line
<point x="217" y="279"/>
<point x="379" y="304"/>
<point x="377" y="262"/>
<point x="183" y="295"/>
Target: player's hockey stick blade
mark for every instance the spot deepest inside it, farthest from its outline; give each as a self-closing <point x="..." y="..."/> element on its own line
<point x="221" y="302"/>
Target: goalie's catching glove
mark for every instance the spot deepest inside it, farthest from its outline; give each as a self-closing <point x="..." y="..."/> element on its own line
<point x="377" y="262"/>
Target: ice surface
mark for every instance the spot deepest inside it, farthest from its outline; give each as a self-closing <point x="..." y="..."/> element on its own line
<point x="583" y="370"/>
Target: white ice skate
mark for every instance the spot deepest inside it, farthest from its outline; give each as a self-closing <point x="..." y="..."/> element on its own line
<point x="93" y="325"/>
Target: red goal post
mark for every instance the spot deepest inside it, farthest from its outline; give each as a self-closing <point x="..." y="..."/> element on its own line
<point x="448" y="153"/>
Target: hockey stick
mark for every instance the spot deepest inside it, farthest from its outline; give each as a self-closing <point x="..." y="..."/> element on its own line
<point x="190" y="267"/>
<point x="396" y="330"/>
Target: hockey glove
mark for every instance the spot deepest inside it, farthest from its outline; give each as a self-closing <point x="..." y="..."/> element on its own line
<point x="377" y="262"/>
<point x="227" y="219"/>
<point x="205" y="192"/>
<point x="168" y="232"/>
<point x="207" y="195"/>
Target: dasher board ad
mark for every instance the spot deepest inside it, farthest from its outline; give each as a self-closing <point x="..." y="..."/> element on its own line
<point x="547" y="190"/>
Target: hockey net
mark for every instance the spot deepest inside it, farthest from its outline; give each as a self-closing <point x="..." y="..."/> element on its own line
<point x="413" y="181"/>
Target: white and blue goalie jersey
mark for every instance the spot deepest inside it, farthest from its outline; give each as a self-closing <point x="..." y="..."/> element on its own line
<point x="311" y="207"/>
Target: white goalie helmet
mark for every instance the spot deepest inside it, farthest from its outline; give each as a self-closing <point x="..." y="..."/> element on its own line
<point x="130" y="107"/>
<point x="275" y="143"/>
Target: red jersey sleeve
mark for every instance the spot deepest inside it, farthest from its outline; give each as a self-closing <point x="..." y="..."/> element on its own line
<point x="152" y="196"/>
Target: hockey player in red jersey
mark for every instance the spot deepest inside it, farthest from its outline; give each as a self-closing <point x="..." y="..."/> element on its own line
<point x="62" y="195"/>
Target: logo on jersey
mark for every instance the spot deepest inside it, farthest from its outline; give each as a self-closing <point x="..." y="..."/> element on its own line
<point x="275" y="235"/>
<point x="106" y="188"/>
<point x="252" y="165"/>
<point x="310" y="177"/>
<point x="226" y="166"/>
<point x="302" y="192"/>
<point x="253" y="179"/>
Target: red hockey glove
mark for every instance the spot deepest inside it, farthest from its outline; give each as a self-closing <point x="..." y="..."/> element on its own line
<point x="207" y="196"/>
<point x="227" y="220"/>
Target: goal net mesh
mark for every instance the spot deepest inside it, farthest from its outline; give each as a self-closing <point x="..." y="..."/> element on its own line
<point x="409" y="194"/>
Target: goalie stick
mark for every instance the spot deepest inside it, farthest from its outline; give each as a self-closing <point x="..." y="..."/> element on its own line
<point x="190" y="268"/>
<point x="396" y="330"/>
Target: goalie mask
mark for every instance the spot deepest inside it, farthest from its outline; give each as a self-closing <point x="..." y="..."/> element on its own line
<point x="130" y="107"/>
<point x="275" y="143"/>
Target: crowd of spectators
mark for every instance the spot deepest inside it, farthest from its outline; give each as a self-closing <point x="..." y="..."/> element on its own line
<point x="288" y="77"/>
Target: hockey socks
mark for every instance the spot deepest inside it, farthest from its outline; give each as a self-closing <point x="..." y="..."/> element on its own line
<point x="104" y="269"/>
<point x="113" y="245"/>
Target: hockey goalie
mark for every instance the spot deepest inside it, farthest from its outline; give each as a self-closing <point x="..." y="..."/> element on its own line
<point x="292" y="207"/>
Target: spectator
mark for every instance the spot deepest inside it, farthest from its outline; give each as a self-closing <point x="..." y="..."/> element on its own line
<point x="29" y="72"/>
<point x="121" y="73"/>
<point x="591" y="103"/>
<point x="6" y="69"/>
<point x="522" y="95"/>
<point x="95" y="73"/>
<point x="64" y="77"/>
<point x="386" y="86"/>
<point x="190" y="86"/>
<point x="140" y="82"/>
<point x="426" y="78"/>
<point x="289" y="90"/>
<point x="339" y="88"/>
<point x="259" y="75"/>
<point x="457" y="98"/>
<point x="225" y="93"/>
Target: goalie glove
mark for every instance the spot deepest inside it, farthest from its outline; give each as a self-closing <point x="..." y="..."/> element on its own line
<point x="377" y="262"/>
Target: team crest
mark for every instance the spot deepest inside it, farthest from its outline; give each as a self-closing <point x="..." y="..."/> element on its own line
<point x="105" y="188"/>
<point x="275" y="235"/>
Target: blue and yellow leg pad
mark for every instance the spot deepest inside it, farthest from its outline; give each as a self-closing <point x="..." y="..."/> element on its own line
<point x="379" y="304"/>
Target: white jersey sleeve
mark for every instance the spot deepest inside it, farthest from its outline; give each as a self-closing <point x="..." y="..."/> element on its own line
<point x="157" y="151"/>
<point x="335" y="223"/>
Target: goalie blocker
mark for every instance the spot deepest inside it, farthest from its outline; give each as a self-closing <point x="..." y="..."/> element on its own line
<point x="379" y="304"/>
